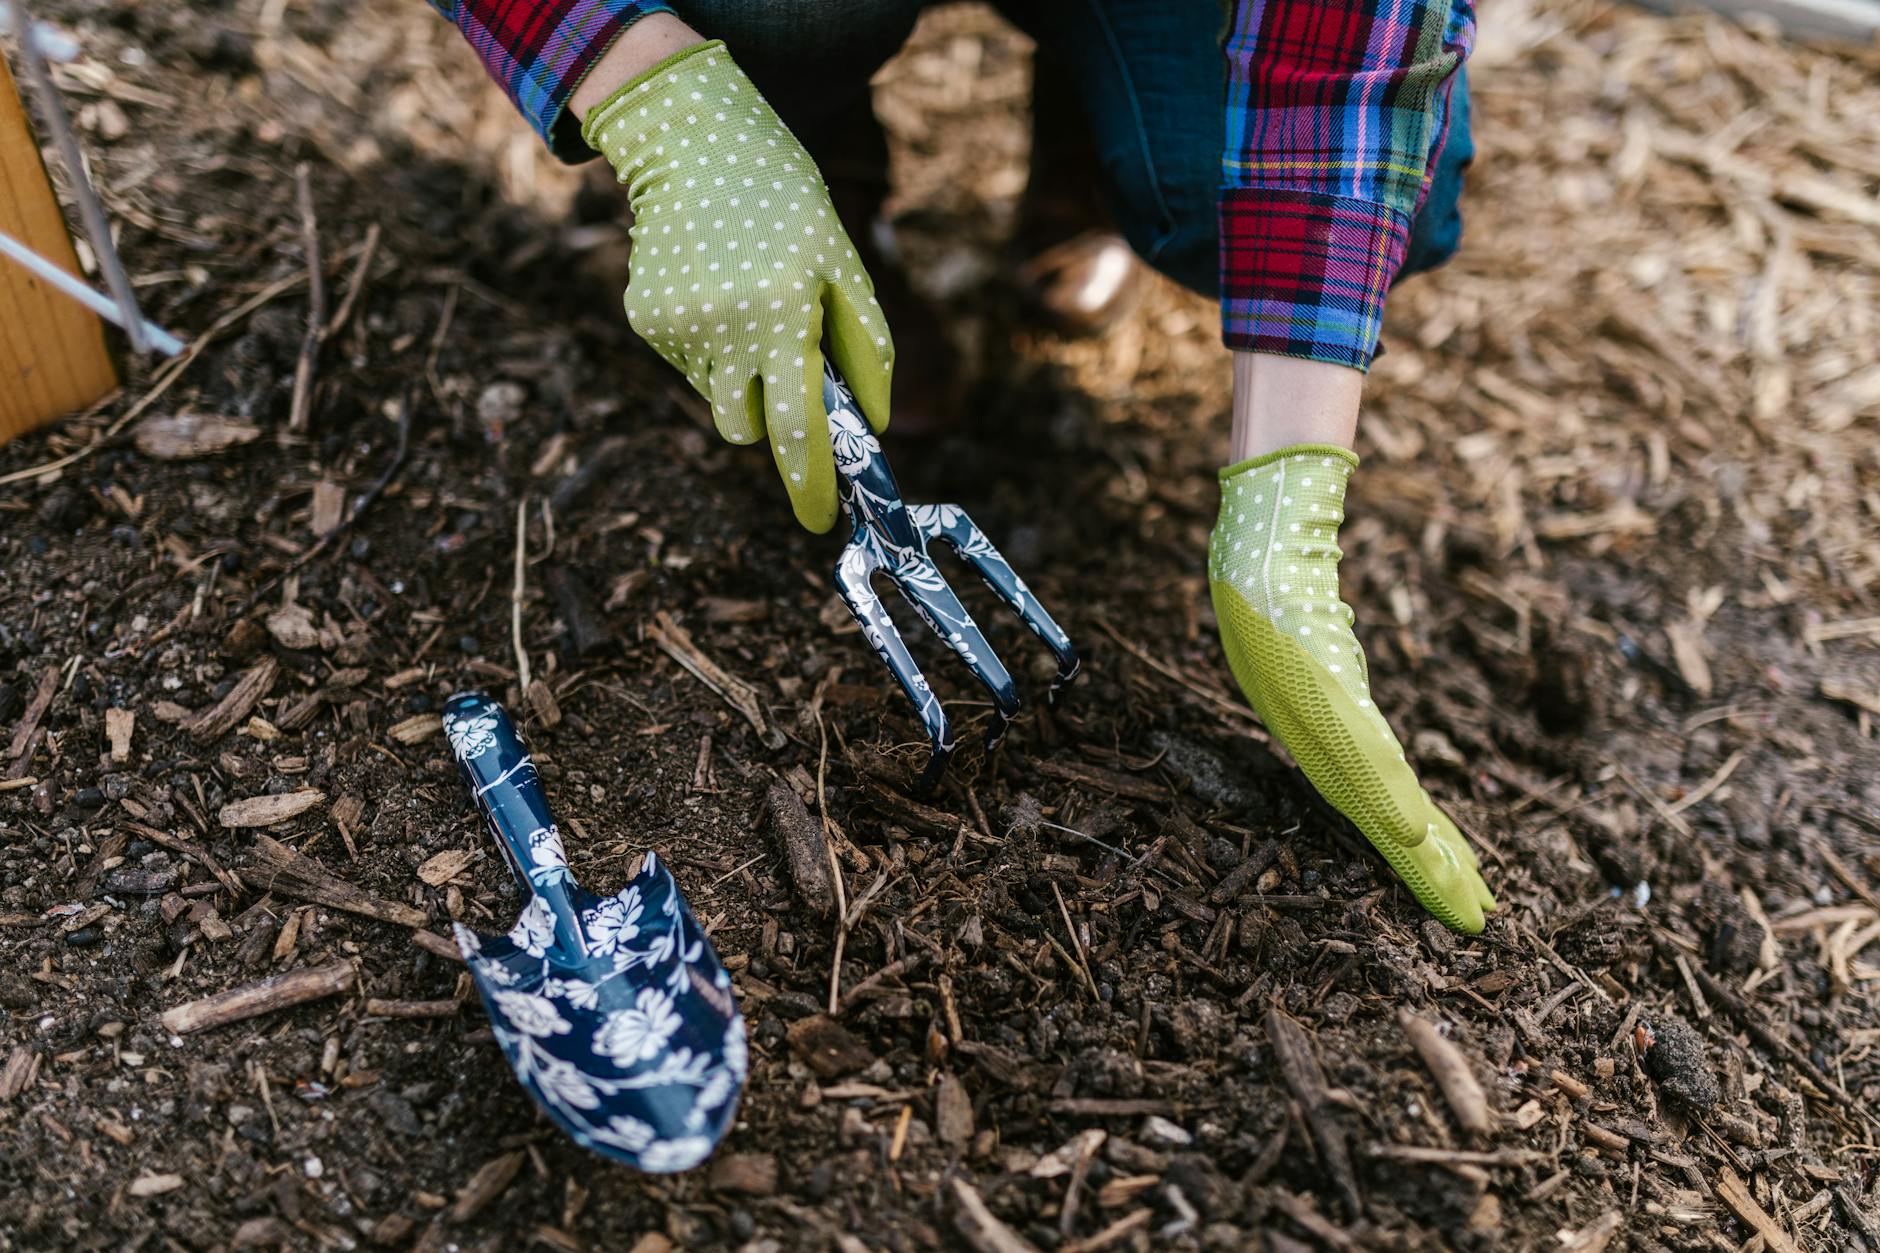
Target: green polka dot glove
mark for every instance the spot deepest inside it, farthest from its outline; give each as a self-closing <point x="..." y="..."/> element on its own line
<point x="740" y="267"/>
<point x="1273" y="569"/>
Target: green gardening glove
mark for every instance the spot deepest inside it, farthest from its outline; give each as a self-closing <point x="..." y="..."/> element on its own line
<point x="739" y="265"/>
<point x="1273" y="569"/>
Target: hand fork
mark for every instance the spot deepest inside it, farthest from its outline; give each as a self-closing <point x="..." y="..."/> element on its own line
<point x="890" y="536"/>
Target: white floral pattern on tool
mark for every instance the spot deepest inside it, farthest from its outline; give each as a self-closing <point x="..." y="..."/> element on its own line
<point x="614" y="1012"/>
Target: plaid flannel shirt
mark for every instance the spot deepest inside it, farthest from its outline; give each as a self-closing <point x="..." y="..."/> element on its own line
<point x="1336" y="110"/>
<point x="540" y="50"/>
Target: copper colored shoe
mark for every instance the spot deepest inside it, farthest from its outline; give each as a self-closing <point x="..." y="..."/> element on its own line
<point x="1084" y="285"/>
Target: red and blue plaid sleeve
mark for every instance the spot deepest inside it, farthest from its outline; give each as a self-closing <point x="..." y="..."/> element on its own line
<point x="1336" y="110"/>
<point x="540" y="50"/>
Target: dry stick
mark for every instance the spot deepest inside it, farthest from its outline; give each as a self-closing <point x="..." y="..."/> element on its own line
<point x="166" y="377"/>
<point x="1299" y="1067"/>
<point x="1077" y="946"/>
<point x="829" y="848"/>
<point x="1754" y="1023"/>
<point x="279" y="868"/>
<point x="296" y="987"/>
<point x="1452" y="1072"/>
<point x="354" y="286"/>
<point x="365" y="502"/>
<point x="298" y="411"/>
<point x="980" y="1227"/>
<point x="517" y="592"/>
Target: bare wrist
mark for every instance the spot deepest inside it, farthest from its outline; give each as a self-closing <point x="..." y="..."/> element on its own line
<point x="638" y="48"/>
<point x="1280" y="401"/>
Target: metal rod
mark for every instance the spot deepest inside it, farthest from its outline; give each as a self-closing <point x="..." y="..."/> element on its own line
<point x="97" y="227"/>
<point x="156" y="336"/>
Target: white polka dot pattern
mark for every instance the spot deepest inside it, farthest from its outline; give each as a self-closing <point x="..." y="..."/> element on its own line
<point x="740" y="267"/>
<point x="1276" y="543"/>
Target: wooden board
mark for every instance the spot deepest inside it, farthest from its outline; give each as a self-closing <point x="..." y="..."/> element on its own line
<point x="52" y="352"/>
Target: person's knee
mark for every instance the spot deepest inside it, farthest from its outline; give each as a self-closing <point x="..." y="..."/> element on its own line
<point x="1167" y="214"/>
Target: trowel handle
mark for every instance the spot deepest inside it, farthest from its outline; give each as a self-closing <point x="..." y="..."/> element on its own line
<point x="508" y="791"/>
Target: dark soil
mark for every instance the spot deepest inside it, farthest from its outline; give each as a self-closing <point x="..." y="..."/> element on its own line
<point x="1105" y="934"/>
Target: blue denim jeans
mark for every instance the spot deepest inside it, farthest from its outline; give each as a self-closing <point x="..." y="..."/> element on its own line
<point x="1149" y="76"/>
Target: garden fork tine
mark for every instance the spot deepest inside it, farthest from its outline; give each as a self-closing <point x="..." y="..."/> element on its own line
<point x="891" y="537"/>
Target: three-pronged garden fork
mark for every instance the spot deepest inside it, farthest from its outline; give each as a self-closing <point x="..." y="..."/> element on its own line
<point x="891" y="537"/>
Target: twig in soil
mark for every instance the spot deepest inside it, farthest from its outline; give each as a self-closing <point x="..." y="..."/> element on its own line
<point x="298" y="410"/>
<point x="519" y="591"/>
<point x="1082" y="964"/>
<point x="1451" y="1069"/>
<point x="221" y="718"/>
<point x="355" y="285"/>
<point x="1213" y="698"/>
<point x="281" y="869"/>
<point x="166" y="378"/>
<point x="411" y="1009"/>
<point x="1424" y="1155"/>
<point x="1299" y="1067"/>
<point x="1299" y="1209"/>
<point x="28" y="726"/>
<point x="741" y="696"/>
<point x="894" y="969"/>
<point x="296" y="987"/>
<point x="1736" y="1194"/>
<point x="197" y="854"/>
<point x="1753" y="1022"/>
<point x="366" y="500"/>
<point x="980" y="1227"/>
<point x="805" y="846"/>
<point x="1123" y="853"/>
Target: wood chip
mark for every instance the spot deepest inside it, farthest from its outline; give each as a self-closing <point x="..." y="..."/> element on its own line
<point x="279" y="868"/>
<point x="1733" y="1192"/>
<point x="753" y="1174"/>
<point x="1595" y="1236"/>
<point x="28" y="726"/>
<point x="952" y="1113"/>
<point x="979" y="1226"/>
<point x="1299" y="1067"/>
<point x="417" y="729"/>
<point x="154" y="1185"/>
<point x="268" y="811"/>
<point x="490" y="1181"/>
<point x="292" y="626"/>
<point x="119" y="726"/>
<point x="327" y="508"/>
<point x="446" y="866"/>
<point x="828" y="1047"/>
<point x="1451" y="1070"/>
<point x="17" y="1073"/>
<point x="805" y="848"/>
<point x="232" y="710"/>
<point x="184" y="436"/>
<point x="296" y="987"/>
<point x="379" y="1008"/>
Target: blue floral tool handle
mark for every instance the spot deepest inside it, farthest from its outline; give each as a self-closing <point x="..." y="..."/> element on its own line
<point x="887" y="535"/>
<point x="614" y="1011"/>
<point x="508" y="791"/>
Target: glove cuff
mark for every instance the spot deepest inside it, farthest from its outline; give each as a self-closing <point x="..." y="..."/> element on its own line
<point x="601" y="114"/>
<point x="1338" y="451"/>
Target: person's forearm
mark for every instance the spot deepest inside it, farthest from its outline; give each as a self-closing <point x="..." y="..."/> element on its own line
<point x="640" y="47"/>
<point x="1291" y="400"/>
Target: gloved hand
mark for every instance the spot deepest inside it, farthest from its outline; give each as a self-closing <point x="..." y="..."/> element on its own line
<point x="1273" y="569"/>
<point x="739" y="265"/>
